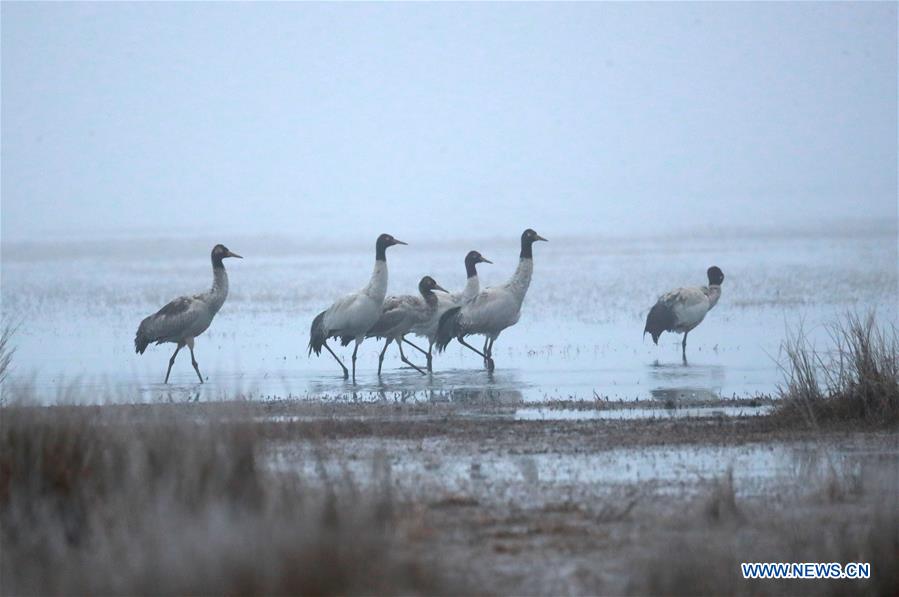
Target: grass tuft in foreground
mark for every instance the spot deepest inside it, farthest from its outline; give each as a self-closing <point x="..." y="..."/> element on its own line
<point x="858" y="379"/>
<point x="98" y="503"/>
<point x="700" y="553"/>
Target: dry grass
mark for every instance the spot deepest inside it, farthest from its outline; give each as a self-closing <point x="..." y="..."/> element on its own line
<point x="721" y="505"/>
<point x="6" y="350"/>
<point x="703" y="551"/>
<point x="99" y="503"/>
<point x="858" y="379"/>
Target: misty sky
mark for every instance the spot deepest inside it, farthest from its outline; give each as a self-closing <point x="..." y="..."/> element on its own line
<point x="444" y="120"/>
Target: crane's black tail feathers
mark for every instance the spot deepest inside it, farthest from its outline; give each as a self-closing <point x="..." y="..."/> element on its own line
<point x="448" y="328"/>
<point x="141" y="340"/>
<point x="660" y="319"/>
<point x="317" y="334"/>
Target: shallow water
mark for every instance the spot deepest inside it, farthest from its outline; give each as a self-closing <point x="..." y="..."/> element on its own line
<point x="570" y="414"/>
<point x="579" y="337"/>
<point x="435" y="467"/>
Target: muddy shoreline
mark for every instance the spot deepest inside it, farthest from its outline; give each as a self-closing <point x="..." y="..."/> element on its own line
<point x="498" y="423"/>
<point x="613" y="507"/>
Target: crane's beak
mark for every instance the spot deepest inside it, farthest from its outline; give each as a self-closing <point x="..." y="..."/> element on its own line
<point x="541" y="238"/>
<point x="397" y="241"/>
<point x="440" y="288"/>
<point x="232" y="254"/>
<point x="485" y="260"/>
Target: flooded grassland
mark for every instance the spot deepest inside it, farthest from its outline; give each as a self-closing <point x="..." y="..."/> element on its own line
<point x="589" y="462"/>
<point x="579" y="337"/>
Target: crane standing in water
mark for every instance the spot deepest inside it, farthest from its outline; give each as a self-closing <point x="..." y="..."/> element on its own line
<point x="492" y="310"/>
<point x="401" y="314"/>
<point x="351" y="316"/>
<point x="187" y="317"/>
<point x="445" y="302"/>
<point x="683" y="309"/>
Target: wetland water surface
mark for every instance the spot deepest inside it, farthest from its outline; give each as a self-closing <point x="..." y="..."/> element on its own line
<point x="579" y="337"/>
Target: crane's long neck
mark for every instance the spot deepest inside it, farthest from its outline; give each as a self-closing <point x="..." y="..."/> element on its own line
<point x="472" y="284"/>
<point x="521" y="279"/>
<point x="377" y="285"/>
<point x="472" y="288"/>
<point x="714" y="293"/>
<point x="219" y="291"/>
<point x="430" y="300"/>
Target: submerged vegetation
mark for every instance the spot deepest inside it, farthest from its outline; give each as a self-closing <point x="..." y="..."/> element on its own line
<point x="856" y="380"/>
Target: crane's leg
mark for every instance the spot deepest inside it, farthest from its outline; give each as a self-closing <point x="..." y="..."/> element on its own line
<point x="407" y="361"/>
<point x="415" y="346"/>
<point x="489" y="363"/>
<point x="355" y="350"/>
<point x="470" y="347"/>
<point x="427" y="352"/>
<point x="346" y="373"/>
<point x="381" y="356"/>
<point x="486" y="342"/>
<point x="172" y="362"/>
<point x="430" y="358"/>
<point x="684" y="347"/>
<point x="193" y="361"/>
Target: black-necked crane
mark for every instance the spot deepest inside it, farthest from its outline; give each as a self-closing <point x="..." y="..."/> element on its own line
<point x="351" y="316"/>
<point x="187" y="317"/>
<point x="428" y="329"/>
<point x="492" y="310"/>
<point x="401" y="314"/>
<point x="683" y="309"/>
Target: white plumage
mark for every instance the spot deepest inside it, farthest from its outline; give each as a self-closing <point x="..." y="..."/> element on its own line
<point x="493" y="309"/>
<point x="683" y="309"/>
<point x="351" y="316"/>
<point x="186" y="317"/>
